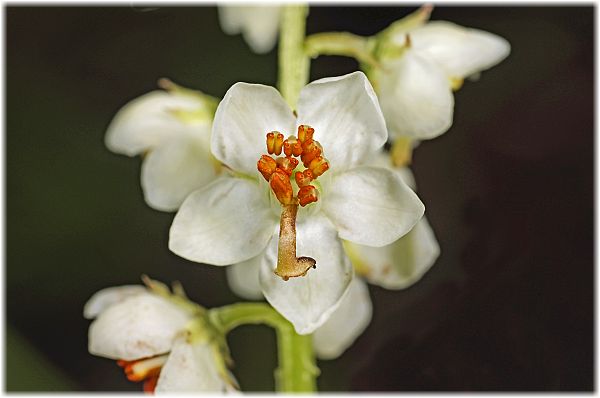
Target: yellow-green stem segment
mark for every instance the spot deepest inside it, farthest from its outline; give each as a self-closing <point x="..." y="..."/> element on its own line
<point x="297" y="370"/>
<point x="294" y="64"/>
<point x="341" y="43"/>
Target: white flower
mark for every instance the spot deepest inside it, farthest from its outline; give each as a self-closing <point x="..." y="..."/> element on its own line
<point x="237" y="217"/>
<point x="403" y="262"/>
<point x="416" y="77"/>
<point x="155" y="340"/>
<point x="171" y="130"/>
<point x="394" y="266"/>
<point x="259" y="24"/>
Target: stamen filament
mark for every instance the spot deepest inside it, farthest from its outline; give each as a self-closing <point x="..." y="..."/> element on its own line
<point x="288" y="265"/>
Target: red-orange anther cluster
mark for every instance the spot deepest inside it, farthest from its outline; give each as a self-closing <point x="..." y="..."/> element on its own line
<point x="149" y="375"/>
<point x="278" y="171"/>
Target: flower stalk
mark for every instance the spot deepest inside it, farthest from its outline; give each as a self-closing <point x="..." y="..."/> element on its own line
<point x="294" y="63"/>
<point x="297" y="370"/>
<point x="341" y="43"/>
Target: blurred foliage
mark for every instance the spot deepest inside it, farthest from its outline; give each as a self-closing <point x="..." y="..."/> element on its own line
<point x="28" y="370"/>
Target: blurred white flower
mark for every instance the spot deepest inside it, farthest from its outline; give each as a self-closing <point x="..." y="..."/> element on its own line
<point x="171" y="130"/>
<point x="235" y="218"/>
<point x="156" y="340"/>
<point x="259" y="24"/>
<point x="421" y="63"/>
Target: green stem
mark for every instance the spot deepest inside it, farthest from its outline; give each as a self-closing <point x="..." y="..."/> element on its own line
<point x="341" y="43"/>
<point x="294" y="64"/>
<point x="297" y="369"/>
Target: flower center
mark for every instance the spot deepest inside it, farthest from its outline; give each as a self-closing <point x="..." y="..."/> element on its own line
<point x="146" y="370"/>
<point x="278" y="172"/>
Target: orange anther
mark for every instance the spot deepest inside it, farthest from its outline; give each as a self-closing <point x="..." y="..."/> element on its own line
<point x="270" y="142"/>
<point x="278" y="143"/>
<point x="292" y="147"/>
<point x="304" y="178"/>
<point x="318" y="166"/>
<point x="308" y="194"/>
<point x="282" y="187"/>
<point x="274" y="142"/>
<point x="143" y="369"/>
<point x="287" y="164"/>
<point x="150" y="384"/>
<point x="305" y="133"/>
<point x="266" y="165"/>
<point x="310" y="150"/>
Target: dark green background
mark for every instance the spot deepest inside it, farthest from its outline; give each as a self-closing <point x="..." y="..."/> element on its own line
<point x="508" y="190"/>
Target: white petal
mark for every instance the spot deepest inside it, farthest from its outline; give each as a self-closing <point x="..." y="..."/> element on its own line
<point x="346" y="323"/>
<point x="259" y="24"/>
<point x="416" y="97"/>
<point x="104" y="298"/>
<point x="458" y="50"/>
<point x="140" y="326"/>
<point x="243" y="118"/>
<point x="307" y="302"/>
<point x="191" y="367"/>
<point x="175" y="169"/>
<point x="407" y="176"/>
<point x="346" y="116"/>
<point x="243" y="278"/>
<point x="371" y="206"/>
<point x="383" y="159"/>
<point x="401" y="264"/>
<point x="148" y="120"/>
<point x="226" y="222"/>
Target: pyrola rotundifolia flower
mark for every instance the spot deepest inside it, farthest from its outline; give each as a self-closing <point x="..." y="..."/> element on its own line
<point x="394" y="266"/>
<point x="421" y="63"/>
<point x="171" y="130"/>
<point x="158" y="338"/>
<point x="286" y="202"/>
<point x="259" y="24"/>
